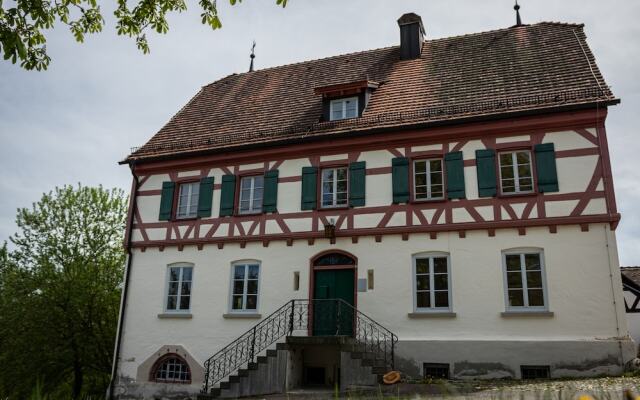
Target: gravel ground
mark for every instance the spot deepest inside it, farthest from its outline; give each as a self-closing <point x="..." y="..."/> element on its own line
<point x="596" y="389"/>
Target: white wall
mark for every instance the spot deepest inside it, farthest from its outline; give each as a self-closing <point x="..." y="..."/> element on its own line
<point x="577" y="274"/>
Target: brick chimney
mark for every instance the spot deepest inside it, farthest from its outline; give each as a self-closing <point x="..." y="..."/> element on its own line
<point x="411" y="36"/>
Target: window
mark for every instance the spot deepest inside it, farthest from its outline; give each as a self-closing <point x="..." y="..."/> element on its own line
<point x="171" y="369"/>
<point x="515" y="172"/>
<point x="431" y="283"/>
<point x="535" y="371"/>
<point x="179" y="288"/>
<point x="524" y="277"/>
<point x="245" y="286"/>
<point x="188" y="200"/>
<point x="427" y="180"/>
<point x="251" y="189"/>
<point x="344" y="108"/>
<point x="435" y="370"/>
<point x="334" y="187"/>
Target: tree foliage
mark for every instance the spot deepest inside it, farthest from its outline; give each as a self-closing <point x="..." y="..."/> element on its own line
<point x="22" y="24"/>
<point x="60" y="294"/>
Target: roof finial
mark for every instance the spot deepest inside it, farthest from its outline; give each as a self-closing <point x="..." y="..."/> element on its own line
<point x="253" y="55"/>
<point x="517" y="8"/>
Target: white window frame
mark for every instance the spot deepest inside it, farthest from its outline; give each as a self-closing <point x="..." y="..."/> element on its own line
<point x="427" y="162"/>
<point x="523" y="271"/>
<point x="244" y="310"/>
<point x="334" y="199"/>
<point x="343" y="105"/>
<point x="433" y="309"/>
<point x="516" y="174"/>
<point x="180" y="265"/>
<point x="191" y="212"/>
<point x="252" y="188"/>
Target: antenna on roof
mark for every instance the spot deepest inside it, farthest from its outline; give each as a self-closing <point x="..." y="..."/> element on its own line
<point x="517" y="8"/>
<point x="253" y="55"/>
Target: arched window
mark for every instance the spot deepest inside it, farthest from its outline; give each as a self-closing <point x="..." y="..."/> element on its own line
<point x="333" y="259"/>
<point x="171" y="368"/>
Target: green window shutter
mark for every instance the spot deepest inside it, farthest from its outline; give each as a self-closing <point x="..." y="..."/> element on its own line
<point x="454" y="168"/>
<point x="309" y="188"/>
<point x="227" y="195"/>
<point x="166" y="200"/>
<point x="486" y="168"/>
<point x="205" y="197"/>
<point x="357" y="183"/>
<point x="270" y="198"/>
<point x="546" y="168"/>
<point x="400" y="179"/>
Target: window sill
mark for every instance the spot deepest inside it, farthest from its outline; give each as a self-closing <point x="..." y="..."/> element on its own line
<point x="510" y="195"/>
<point x="185" y="219"/>
<point x="432" y="314"/>
<point x="420" y="201"/>
<point x="325" y="208"/>
<point x="248" y="214"/>
<point x="534" y="314"/>
<point x="168" y="315"/>
<point x="242" y="316"/>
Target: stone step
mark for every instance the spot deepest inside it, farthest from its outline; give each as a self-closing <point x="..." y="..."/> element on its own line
<point x="282" y="346"/>
<point x="272" y="353"/>
<point x="234" y="378"/>
<point x="372" y="362"/>
<point x="262" y="359"/>
<point x="252" y="366"/>
<point x="243" y="372"/>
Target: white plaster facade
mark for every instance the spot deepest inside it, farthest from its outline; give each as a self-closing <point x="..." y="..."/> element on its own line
<point x="584" y="331"/>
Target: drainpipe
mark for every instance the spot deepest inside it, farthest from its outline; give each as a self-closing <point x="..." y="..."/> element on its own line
<point x="613" y="293"/>
<point x="123" y="302"/>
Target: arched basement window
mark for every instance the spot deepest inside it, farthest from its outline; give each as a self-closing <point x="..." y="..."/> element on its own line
<point x="333" y="259"/>
<point x="171" y="368"/>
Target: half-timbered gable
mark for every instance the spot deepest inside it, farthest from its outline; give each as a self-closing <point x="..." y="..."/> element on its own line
<point x="445" y="204"/>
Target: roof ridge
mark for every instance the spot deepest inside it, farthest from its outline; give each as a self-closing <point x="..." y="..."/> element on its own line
<point x="466" y="35"/>
<point x="357" y="53"/>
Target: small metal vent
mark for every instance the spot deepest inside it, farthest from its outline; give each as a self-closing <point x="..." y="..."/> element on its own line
<point x="535" y="371"/>
<point x="434" y="370"/>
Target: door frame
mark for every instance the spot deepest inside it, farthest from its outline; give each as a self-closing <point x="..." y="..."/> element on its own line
<point x="312" y="277"/>
<point x="313" y="268"/>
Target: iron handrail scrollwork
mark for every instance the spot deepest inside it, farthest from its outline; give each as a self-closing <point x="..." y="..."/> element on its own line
<point x="336" y="316"/>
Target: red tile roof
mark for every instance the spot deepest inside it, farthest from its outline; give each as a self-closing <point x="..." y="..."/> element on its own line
<point x="523" y="68"/>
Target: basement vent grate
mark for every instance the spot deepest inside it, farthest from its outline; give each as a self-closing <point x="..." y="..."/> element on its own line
<point x="434" y="370"/>
<point x="535" y="371"/>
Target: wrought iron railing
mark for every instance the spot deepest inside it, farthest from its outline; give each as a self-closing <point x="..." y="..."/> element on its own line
<point x="330" y="317"/>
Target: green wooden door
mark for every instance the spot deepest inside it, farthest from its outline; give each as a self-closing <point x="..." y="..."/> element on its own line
<point x="332" y="318"/>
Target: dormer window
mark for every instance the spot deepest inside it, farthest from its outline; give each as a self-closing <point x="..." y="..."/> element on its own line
<point x="345" y="100"/>
<point x="343" y="108"/>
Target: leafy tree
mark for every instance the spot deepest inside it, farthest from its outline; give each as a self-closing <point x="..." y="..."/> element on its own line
<point x="22" y="26"/>
<point x="59" y="294"/>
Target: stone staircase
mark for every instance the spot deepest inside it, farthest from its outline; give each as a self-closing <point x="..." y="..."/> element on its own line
<point x="282" y="353"/>
<point x="278" y="371"/>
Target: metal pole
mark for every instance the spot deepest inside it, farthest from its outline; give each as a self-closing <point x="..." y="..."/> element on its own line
<point x="293" y="309"/>
<point x="205" y="390"/>
<point x="253" y="344"/>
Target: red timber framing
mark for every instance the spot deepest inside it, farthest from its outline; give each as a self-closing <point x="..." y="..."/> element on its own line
<point x="453" y="138"/>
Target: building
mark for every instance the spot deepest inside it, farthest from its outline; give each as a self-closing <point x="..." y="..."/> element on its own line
<point x="454" y="195"/>
<point x="631" y="291"/>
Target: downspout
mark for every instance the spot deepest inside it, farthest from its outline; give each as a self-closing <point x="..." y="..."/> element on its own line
<point x="615" y="304"/>
<point x="123" y="302"/>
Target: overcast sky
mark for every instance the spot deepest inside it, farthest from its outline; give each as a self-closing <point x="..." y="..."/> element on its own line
<point x="75" y="121"/>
